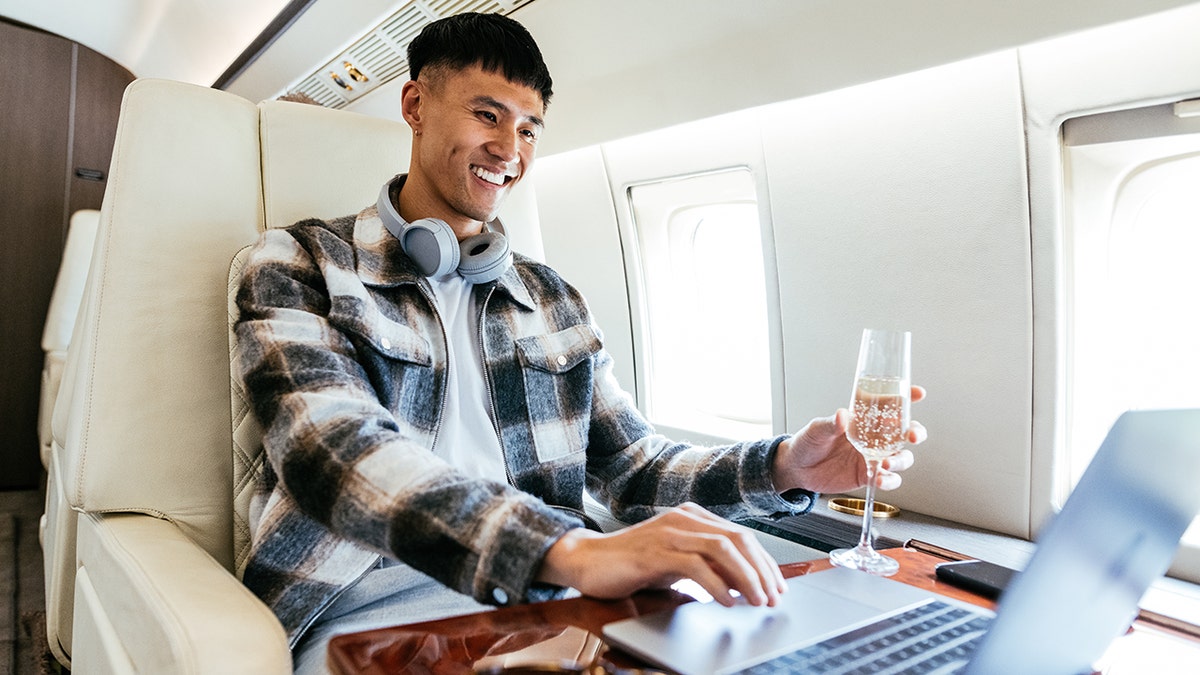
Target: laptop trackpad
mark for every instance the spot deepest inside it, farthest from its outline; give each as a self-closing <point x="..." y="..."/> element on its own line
<point x="707" y="638"/>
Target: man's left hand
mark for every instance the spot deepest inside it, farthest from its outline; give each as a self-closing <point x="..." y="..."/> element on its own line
<point x="820" y="458"/>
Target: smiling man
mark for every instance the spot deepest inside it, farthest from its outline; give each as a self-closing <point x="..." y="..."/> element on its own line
<point x="434" y="406"/>
<point x="474" y="136"/>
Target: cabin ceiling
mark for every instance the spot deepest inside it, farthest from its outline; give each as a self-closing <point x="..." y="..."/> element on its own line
<point x="364" y="46"/>
<point x="187" y="40"/>
<point x="693" y="58"/>
<point x="197" y="41"/>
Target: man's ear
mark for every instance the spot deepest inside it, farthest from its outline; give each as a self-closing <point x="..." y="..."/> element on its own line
<point x="410" y="104"/>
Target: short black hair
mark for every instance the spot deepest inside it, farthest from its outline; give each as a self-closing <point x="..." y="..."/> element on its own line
<point x="494" y="42"/>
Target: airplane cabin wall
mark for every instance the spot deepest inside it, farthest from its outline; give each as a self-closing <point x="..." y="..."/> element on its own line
<point x="901" y="204"/>
<point x="905" y="201"/>
<point x="1131" y="65"/>
<point x="851" y="178"/>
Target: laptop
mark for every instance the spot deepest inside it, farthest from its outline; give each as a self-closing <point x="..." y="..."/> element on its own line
<point x="1117" y="534"/>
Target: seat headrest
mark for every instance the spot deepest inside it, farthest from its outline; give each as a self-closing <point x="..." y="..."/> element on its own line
<point x="322" y="163"/>
<point x="68" y="285"/>
<point x="148" y="425"/>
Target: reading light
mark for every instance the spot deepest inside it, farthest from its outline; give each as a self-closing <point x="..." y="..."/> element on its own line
<point x="340" y="82"/>
<point x="1188" y="108"/>
<point x="355" y="74"/>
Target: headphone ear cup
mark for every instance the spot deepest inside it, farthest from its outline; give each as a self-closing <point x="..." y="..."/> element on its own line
<point x="431" y="244"/>
<point x="484" y="257"/>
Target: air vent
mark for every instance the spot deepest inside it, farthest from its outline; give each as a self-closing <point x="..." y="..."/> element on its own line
<point x="380" y="55"/>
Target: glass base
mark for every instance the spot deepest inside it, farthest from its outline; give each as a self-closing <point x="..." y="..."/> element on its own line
<point x="866" y="559"/>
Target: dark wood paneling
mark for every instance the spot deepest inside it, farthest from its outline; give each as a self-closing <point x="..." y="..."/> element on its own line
<point x="100" y="84"/>
<point x="38" y="155"/>
<point x="35" y="93"/>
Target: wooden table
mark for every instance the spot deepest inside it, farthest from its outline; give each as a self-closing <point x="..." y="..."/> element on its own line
<point x="568" y="631"/>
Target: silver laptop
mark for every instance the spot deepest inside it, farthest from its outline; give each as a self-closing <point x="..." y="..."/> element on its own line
<point x="1116" y="534"/>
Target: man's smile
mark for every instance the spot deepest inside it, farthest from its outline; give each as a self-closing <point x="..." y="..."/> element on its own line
<point x="492" y="177"/>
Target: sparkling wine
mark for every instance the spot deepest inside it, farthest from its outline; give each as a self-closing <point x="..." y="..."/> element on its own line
<point x="879" y="416"/>
<point x="878" y="425"/>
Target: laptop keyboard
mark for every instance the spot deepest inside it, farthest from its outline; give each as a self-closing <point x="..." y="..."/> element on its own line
<point x="933" y="638"/>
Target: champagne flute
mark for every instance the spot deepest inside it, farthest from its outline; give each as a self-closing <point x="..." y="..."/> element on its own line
<point x="879" y="418"/>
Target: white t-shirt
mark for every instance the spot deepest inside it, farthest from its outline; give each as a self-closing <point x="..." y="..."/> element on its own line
<point x="467" y="438"/>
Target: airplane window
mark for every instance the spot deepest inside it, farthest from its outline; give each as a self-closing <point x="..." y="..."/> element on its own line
<point x="704" y="304"/>
<point x="1132" y="336"/>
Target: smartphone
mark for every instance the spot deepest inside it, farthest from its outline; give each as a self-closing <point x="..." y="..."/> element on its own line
<point x="978" y="576"/>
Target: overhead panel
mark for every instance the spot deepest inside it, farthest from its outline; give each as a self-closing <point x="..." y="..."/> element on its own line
<point x="381" y="55"/>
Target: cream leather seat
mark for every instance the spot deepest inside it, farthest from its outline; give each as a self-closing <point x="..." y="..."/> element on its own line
<point x="140" y="537"/>
<point x="154" y="453"/>
<point x="60" y="317"/>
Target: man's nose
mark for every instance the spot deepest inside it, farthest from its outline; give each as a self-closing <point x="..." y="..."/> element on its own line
<point x="505" y="145"/>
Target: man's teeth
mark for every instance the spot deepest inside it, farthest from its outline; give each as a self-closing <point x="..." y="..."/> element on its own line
<point x="493" y="178"/>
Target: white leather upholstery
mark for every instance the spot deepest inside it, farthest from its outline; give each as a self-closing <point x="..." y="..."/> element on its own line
<point x="140" y="461"/>
<point x="171" y="607"/>
<point x="142" y="426"/>
<point x="60" y="317"/>
<point x="321" y="163"/>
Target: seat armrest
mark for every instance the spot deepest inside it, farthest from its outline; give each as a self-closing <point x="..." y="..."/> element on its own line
<point x="171" y="606"/>
<point x="52" y="373"/>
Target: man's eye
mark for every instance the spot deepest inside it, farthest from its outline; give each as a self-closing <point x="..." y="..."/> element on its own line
<point x="530" y="135"/>
<point x="487" y="115"/>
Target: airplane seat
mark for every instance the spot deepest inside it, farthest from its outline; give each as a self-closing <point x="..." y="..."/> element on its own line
<point x="60" y="317"/>
<point x="148" y="517"/>
<point x="139" y="536"/>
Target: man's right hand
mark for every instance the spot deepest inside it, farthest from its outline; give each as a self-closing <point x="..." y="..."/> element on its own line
<point x="687" y="542"/>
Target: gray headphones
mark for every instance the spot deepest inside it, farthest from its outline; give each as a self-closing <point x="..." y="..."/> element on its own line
<point x="432" y="245"/>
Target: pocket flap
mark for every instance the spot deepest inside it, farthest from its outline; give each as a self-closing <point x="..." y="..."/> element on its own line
<point x="561" y="351"/>
<point x="393" y="340"/>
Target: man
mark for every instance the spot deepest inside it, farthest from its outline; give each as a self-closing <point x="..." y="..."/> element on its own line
<point x="429" y="437"/>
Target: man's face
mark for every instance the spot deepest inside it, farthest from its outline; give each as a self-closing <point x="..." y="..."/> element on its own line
<point x="475" y="138"/>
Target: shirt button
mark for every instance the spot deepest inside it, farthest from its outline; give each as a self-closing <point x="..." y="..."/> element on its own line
<point x="562" y="360"/>
<point x="500" y="596"/>
<point x="385" y="343"/>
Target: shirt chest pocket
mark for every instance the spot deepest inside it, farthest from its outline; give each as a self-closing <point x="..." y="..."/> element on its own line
<point x="557" y="371"/>
<point x="398" y="361"/>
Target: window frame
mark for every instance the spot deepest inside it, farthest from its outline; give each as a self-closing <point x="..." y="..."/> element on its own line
<point x="1158" y="133"/>
<point x="639" y="310"/>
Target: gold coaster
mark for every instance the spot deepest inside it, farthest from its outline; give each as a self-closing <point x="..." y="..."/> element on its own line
<point x="857" y="507"/>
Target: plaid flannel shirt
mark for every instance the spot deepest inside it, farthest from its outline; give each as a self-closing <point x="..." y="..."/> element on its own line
<point x="344" y="358"/>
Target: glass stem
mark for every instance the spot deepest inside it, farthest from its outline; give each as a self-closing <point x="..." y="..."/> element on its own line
<point x="864" y="541"/>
